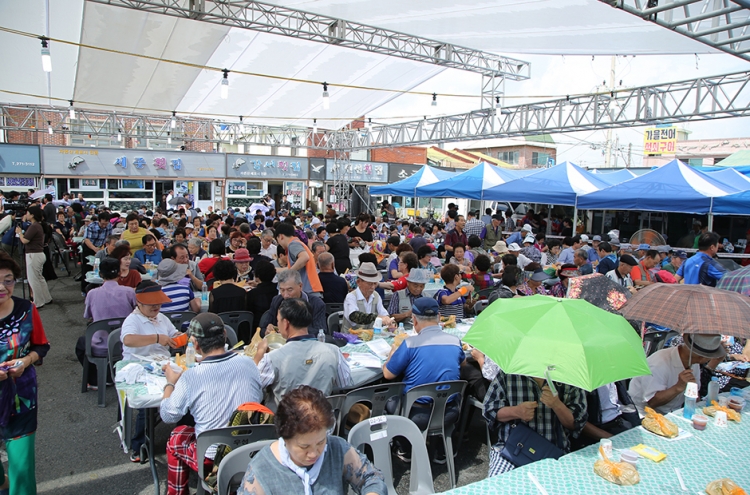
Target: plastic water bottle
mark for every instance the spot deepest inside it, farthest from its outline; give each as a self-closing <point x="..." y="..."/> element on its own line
<point x="321" y="336"/>
<point x="401" y="328"/>
<point x="96" y="266"/>
<point x="204" y="293"/>
<point x="377" y="328"/>
<point x="713" y="391"/>
<point x="190" y="355"/>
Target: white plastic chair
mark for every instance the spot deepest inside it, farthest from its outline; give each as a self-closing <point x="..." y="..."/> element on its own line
<point x="234" y="466"/>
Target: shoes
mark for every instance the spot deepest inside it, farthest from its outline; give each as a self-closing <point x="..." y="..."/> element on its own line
<point x="402" y="455"/>
<point x="93" y="388"/>
<point x="135" y="457"/>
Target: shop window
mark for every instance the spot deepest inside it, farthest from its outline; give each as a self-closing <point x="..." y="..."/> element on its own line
<point x="509" y="157"/>
<point x="62" y="187"/>
<point x="113" y="184"/>
<point x="87" y="194"/>
<point x="74" y="184"/>
<point x="204" y="191"/>
<point x="128" y="195"/>
<point x="133" y="184"/>
<point x="123" y="206"/>
<point x="539" y="158"/>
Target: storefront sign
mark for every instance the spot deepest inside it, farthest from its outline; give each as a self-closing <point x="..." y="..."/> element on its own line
<point x="266" y="167"/>
<point x="109" y="162"/>
<point x="399" y="171"/>
<point x="318" y="169"/>
<point x="236" y="187"/>
<point x="295" y="192"/>
<point x="660" y="140"/>
<point x="19" y="159"/>
<point x="365" y="172"/>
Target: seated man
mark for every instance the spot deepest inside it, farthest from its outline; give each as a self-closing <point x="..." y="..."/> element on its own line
<point x="181" y="255"/>
<point x="621" y="274"/>
<point x="581" y="260"/>
<point x="335" y="288"/>
<point x="302" y="360"/>
<point x="290" y="287"/>
<point x="610" y="411"/>
<point x="149" y="251"/>
<point x="403" y="300"/>
<point x="641" y="274"/>
<point x="430" y="356"/>
<point x="671" y="370"/>
<point x="211" y="391"/>
<point x="363" y="305"/>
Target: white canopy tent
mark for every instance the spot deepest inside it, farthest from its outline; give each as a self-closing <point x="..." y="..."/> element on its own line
<point x="115" y="81"/>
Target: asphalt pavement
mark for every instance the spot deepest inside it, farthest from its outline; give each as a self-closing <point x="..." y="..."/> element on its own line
<point x="77" y="451"/>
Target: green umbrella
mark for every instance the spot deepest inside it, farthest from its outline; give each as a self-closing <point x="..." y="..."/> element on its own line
<point x="570" y="340"/>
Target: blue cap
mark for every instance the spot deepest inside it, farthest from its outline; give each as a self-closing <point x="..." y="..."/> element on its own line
<point x="425" y="306"/>
<point x="645" y="247"/>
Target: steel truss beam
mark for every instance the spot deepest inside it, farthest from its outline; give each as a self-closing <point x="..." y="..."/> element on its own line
<point x="294" y="23"/>
<point x="720" y="24"/>
<point x="704" y="98"/>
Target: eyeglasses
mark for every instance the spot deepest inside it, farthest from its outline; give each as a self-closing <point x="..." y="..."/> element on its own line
<point x="9" y="282"/>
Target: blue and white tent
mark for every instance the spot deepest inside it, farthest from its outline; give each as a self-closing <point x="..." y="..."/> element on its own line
<point x="558" y="185"/>
<point x="410" y="186"/>
<point x="471" y="184"/>
<point x="613" y="178"/>
<point x="674" y="187"/>
<point x="731" y="177"/>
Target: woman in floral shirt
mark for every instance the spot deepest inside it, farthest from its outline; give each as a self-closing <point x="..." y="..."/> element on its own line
<point x="22" y="343"/>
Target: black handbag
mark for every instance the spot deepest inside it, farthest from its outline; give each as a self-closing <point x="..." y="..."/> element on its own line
<point x="525" y="446"/>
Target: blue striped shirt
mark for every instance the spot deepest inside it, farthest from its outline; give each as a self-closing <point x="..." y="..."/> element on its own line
<point x="180" y="296"/>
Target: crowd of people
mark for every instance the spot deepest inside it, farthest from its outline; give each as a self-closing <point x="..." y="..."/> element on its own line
<point x="287" y="268"/>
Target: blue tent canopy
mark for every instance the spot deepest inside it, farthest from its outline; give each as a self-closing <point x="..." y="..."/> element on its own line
<point x="409" y="187"/>
<point x="613" y="178"/>
<point x="471" y="184"/>
<point x="674" y="187"/>
<point x="733" y="204"/>
<point x="559" y="185"/>
<point x="731" y="177"/>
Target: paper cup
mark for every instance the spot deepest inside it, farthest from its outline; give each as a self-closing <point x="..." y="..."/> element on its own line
<point x="691" y="390"/>
<point x="720" y="419"/>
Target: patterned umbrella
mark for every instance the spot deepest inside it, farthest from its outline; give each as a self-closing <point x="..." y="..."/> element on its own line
<point x="691" y="309"/>
<point x="736" y="281"/>
<point x="599" y="291"/>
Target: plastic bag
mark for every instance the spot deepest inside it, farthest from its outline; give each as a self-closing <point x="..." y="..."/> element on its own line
<point x="656" y="423"/>
<point x="252" y="347"/>
<point x="724" y="486"/>
<point x="619" y="473"/>
<point x="731" y="413"/>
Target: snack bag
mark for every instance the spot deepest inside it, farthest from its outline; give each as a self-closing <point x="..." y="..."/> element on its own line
<point x="724" y="486"/>
<point x="252" y="348"/>
<point x="619" y="473"/>
<point x="656" y="423"/>
<point x="732" y="415"/>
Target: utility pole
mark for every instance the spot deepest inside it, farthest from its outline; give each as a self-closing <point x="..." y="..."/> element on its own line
<point x="608" y="153"/>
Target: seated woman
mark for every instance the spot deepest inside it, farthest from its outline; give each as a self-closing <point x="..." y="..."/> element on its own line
<point x="128" y="277"/>
<point x="226" y="295"/>
<point x="481" y="278"/>
<point x="216" y="251"/>
<point x="517" y="398"/>
<point x="459" y="259"/>
<point x="259" y="299"/>
<point x="508" y="284"/>
<point x="305" y="459"/>
<point x="195" y="248"/>
<point x="560" y="289"/>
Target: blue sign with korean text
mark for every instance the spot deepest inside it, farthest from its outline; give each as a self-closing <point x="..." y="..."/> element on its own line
<point x="19" y="159"/>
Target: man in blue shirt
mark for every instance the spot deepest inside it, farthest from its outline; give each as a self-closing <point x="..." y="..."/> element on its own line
<point x="149" y="251"/>
<point x="607" y="259"/>
<point x="693" y="270"/>
<point x="518" y="237"/>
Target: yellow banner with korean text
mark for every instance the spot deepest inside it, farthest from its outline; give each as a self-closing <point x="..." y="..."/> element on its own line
<point x="660" y="140"/>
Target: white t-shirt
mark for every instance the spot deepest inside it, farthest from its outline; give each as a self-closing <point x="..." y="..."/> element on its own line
<point x="665" y="366"/>
<point x="136" y="324"/>
<point x="614" y="277"/>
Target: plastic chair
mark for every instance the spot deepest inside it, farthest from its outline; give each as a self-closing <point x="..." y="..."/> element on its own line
<point x="654" y="341"/>
<point x="231" y="336"/>
<point x="368" y="433"/>
<point x="233" y="467"/>
<point x="466" y="414"/>
<point x="334" y="308"/>
<point x="101" y="362"/>
<point x="376" y="397"/>
<point x="114" y="350"/>
<point x="334" y="322"/>
<point x="178" y="318"/>
<point x="236" y="318"/>
<point x="480" y="306"/>
<point x="485" y="293"/>
<point x="125" y="414"/>
<point x="61" y="249"/>
<point x="337" y="403"/>
<point x="439" y="392"/>
<point x="265" y="319"/>
<point x="233" y="437"/>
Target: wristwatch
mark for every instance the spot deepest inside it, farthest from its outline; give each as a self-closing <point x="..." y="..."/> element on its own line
<point x="168" y="385"/>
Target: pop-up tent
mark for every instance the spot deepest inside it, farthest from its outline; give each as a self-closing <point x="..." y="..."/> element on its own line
<point x="731" y="177"/>
<point x="733" y="204"/>
<point x="613" y="178"/>
<point x="558" y="185"/>
<point x="674" y="187"/>
<point x="471" y="184"/>
<point x="410" y="186"/>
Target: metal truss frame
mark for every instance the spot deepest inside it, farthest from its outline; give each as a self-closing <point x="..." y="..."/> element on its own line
<point x="720" y="24"/>
<point x="703" y="98"/>
<point x="295" y="23"/>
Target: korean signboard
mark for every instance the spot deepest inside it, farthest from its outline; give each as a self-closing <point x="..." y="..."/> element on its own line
<point x="399" y="171"/>
<point x="365" y="172"/>
<point x="660" y="140"/>
<point x="130" y="162"/>
<point x="295" y="193"/>
<point x="19" y="159"/>
<point x="237" y="188"/>
<point x="266" y="167"/>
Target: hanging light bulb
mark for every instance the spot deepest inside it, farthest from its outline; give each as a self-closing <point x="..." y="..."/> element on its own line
<point x="497" y="102"/>
<point x="173" y="122"/>
<point x="119" y="135"/>
<point x="326" y="97"/>
<point x="225" y="85"/>
<point x="369" y="124"/>
<point x="231" y="140"/>
<point x="49" y="127"/>
<point x="315" y="126"/>
<point x="72" y="111"/>
<point x="434" y="99"/>
<point x="46" y="59"/>
<point x="242" y="126"/>
<point x="169" y="138"/>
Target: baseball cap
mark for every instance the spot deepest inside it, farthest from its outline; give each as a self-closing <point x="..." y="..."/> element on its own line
<point x="206" y="325"/>
<point x="529" y="238"/>
<point x="644" y="247"/>
<point x="150" y="293"/>
<point x="584" y="238"/>
<point x="596" y="238"/>
<point x="680" y="254"/>
<point x="628" y="260"/>
<point x="526" y="228"/>
<point x="425" y="306"/>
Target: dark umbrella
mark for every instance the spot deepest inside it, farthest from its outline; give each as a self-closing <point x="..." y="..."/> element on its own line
<point x="179" y="200"/>
<point x="599" y="291"/>
<point x="691" y="309"/>
<point x="736" y="281"/>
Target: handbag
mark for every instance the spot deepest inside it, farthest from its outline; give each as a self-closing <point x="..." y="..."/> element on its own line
<point x="525" y="446"/>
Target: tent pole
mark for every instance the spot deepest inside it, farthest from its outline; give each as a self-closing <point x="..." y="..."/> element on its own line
<point x="549" y="220"/>
<point x="575" y="217"/>
<point x="711" y="216"/>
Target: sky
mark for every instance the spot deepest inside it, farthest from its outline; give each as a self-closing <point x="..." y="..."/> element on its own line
<point x="557" y="75"/>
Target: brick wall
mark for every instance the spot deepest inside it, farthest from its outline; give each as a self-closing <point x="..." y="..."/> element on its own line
<point x="404" y="154"/>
